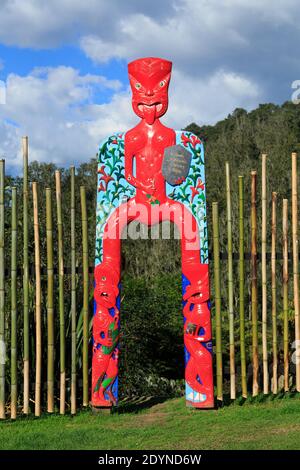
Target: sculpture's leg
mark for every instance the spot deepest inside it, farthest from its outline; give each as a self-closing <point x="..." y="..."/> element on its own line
<point x="199" y="382"/>
<point x="197" y="321"/>
<point x="99" y="366"/>
<point x="112" y="374"/>
<point x="107" y="303"/>
<point x="105" y="356"/>
<point x="198" y="372"/>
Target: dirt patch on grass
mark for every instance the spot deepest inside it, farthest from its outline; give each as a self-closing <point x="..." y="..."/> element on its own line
<point x="150" y="419"/>
<point x="285" y="429"/>
<point x="158" y="407"/>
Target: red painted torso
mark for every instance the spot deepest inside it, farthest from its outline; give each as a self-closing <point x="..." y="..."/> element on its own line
<point x="146" y="144"/>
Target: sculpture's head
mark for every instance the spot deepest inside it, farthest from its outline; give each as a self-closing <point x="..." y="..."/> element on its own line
<point x="149" y="81"/>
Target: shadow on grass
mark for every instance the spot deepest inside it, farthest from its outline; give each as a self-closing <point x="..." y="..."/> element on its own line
<point x="134" y="406"/>
<point x="260" y="398"/>
<point x="142" y="403"/>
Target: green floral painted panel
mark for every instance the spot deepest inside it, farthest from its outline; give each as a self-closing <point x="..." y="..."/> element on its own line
<point x="113" y="189"/>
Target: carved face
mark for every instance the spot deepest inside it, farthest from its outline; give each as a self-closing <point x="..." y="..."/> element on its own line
<point x="198" y="290"/>
<point x="106" y="288"/>
<point x="149" y="81"/>
<point x="193" y="294"/>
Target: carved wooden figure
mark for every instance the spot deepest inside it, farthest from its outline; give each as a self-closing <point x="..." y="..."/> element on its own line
<point x="151" y="174"/>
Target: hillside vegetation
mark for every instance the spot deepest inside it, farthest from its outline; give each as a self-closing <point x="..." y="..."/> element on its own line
<point x="151" y="297"/>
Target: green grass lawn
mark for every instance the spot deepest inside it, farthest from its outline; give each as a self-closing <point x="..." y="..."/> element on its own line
<point x="256" y="424"/>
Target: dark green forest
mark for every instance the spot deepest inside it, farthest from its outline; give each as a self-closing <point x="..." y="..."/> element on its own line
<point x="151" y="359"/>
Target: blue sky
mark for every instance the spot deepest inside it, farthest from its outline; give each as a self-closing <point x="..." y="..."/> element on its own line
<point x="64" y="63"/>
<point x="22" y="61"/>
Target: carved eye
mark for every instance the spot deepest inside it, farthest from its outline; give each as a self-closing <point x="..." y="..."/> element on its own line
<point x="138" y="86"/>
<point x="162" y="83"/>
<point x="103" y="278"/>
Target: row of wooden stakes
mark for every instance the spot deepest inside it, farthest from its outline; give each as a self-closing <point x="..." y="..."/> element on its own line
<point x="14" y="352"/>
<point x="254" y="288"/>
<point x="50" y="297"/>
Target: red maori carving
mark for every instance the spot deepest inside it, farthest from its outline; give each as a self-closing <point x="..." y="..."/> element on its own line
<point x="144" y="152"/>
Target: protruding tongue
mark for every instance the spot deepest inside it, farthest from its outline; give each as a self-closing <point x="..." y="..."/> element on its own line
<point x="150" y="113"/>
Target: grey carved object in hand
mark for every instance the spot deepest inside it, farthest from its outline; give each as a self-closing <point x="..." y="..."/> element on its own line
<point x="176" y="164"/>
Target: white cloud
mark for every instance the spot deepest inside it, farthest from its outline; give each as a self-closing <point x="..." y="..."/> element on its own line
<point x="42" y="23"/>
<point x="178" y="29"/>
<point x="54" y="107"/>
<point x="37" y="23"/>
<point x="257" y="40"/>
<point x="194" y="31"/>
<point x="2" y="92"/>
<point x="100" y="51"/>
<point x="207" y="99"/>
<point x="226" y="54"/>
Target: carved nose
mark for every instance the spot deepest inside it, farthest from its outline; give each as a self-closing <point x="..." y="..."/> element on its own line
<point x="149" y="92"/>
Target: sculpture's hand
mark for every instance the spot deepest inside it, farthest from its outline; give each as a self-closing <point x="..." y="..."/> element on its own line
<point x="150" y="188"/>
<point x="146" y="188"/>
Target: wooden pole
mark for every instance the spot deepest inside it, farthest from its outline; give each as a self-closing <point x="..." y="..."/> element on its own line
<point x="296" y="265"/>
<point x="230" y="283"/>
<point x="61" y="294"/>
<point x="285" y="294"/>
<point x="254" y="283"/>
<point x="38" y="322"/>
<point x="85" y="260"/>
<point x="50" y="304"/>
<point x="13" y="346"/>
<point x="25" y="280"/>
<point x="2" y="294"/>
<point x="241" y="287"/>
<point x="73" y="294"/>
<point x="216" y="248"/>
<point x="264" y="274"/>
<point x="274" y="312"/>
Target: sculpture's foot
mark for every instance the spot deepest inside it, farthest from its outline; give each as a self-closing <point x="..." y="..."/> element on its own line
<point x="101" y="410"/>
<point x="201" y="406"/>
<point x="201" y="400"/>
<point x="111" y="397"/>
<point x="101" y="402"/>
